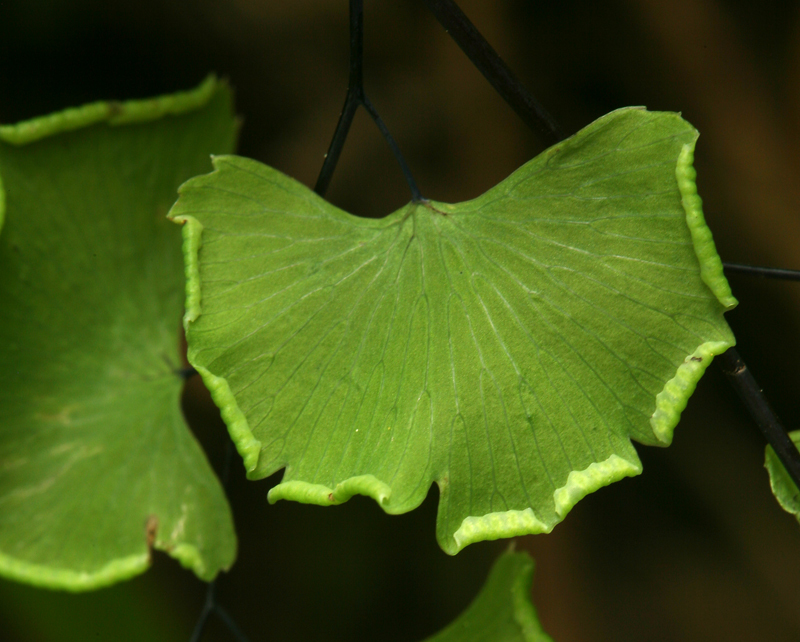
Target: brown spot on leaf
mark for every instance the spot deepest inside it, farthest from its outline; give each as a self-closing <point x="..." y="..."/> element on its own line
<point x="115" y="109"/>
<point x="330" y="497"/>
<point x="697" y="358"/>
<point x="150" y="531"/>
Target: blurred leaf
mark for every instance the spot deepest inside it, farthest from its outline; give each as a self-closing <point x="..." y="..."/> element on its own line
<point x="502" y="611"/>
<point x="96" y="461"/>
<point x="507" y="348"/>
<point x="784" y="489"/>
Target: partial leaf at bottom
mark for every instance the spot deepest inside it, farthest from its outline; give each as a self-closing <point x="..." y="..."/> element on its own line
<point x="97" y="465"/>
<point x="502" y="611"/>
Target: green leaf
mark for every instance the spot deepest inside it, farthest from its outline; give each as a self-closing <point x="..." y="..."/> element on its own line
<point x="96" y="462"/>
<point x="502" y="611"/>
<point x="784" y="489"/>
<point x="507" y="348"/>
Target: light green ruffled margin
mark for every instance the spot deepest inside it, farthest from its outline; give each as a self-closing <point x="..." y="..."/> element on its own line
<point x="112" y="112"/>
<point x="29" y="131"/>
<point x="670" y="402"/>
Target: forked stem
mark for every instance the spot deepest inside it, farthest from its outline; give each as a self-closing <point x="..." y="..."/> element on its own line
<point x="355" y="98"/>
<point x="210" y="605"/>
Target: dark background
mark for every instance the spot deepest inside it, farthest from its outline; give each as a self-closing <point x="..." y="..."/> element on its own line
<point x="695" y="548"/>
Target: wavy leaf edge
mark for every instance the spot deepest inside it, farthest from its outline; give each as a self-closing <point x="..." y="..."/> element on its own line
<point x="110" y="111"/>
<point x="115" y="113"/>
<point x="670" y="402"/>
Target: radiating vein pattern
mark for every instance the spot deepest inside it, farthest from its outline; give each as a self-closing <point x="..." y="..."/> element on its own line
<point x="507" y="348"/>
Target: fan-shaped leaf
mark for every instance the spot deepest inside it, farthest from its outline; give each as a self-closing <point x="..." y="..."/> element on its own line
<point x="96" y="462"/>
<point x="507" y="348"/>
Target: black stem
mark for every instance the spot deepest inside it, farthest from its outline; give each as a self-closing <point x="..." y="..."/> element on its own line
<point x="231" y="624"/>
<point x="355" y="92"/>
<point x="208" y="607"/>
<point x="763" y="272"/>
<point x="412" y="185"/>
<point x="355" y="97"/>
<point x="757" y="405"/>
<point x="495" y="70"/>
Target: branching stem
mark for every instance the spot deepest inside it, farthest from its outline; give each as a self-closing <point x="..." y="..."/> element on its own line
<point x="355" y="97"/>
<point x="210" y="605"/>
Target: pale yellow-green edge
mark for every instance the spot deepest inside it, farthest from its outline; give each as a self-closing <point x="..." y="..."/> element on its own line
<point x="69" y="580"/>
<point x="114" y="113"/>
<point x="246" y="444"/>
<point x="670" y="402"/>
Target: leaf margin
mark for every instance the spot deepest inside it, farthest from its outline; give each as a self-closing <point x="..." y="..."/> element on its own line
<point x="113" y="113"/>
<point x="669" y="402"/>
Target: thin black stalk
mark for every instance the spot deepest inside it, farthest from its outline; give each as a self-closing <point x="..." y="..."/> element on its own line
<point x="238" y="634"/>
<point x="495" y="70"/>
<point x="355" y="97"/>
<point x="337" y="144"/>
<point x="355" y="93"/>
<point x="763" y="272"/>
<point x="412" y="185"/>
<point x="208" y="607"/>
<point x="757" y="405"/>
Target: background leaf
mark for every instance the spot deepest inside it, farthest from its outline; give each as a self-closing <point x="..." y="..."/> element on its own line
<point x="96" y="462"/>
<point x="784" y="489"/>
<point x="507" y="348"/>
<point x="502" y="611"/>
